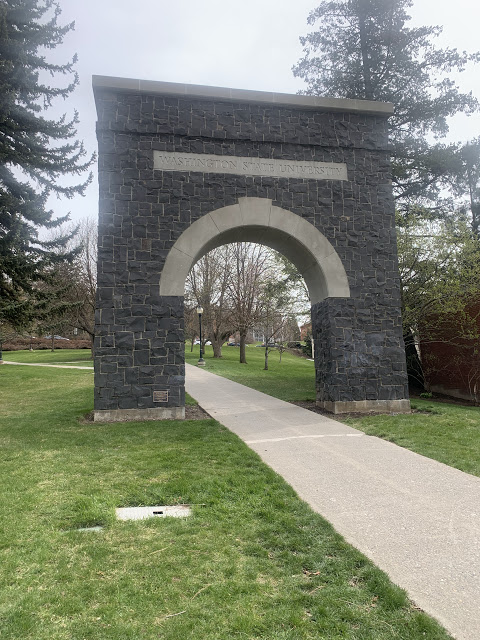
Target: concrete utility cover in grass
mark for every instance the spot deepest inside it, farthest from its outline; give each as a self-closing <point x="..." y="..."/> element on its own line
<point x="141" y="513"/>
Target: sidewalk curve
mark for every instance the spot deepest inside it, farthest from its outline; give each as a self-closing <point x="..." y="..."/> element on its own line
<point x="415" y="518"/>
<point x="43" y="364"/>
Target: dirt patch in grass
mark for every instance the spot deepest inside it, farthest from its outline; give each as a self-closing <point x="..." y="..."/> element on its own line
<point x="440" y="397"/>
<point x="311" y="406"/>
<point x="195" y="412"/>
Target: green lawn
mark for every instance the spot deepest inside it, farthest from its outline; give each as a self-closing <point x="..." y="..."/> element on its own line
<point x="449" y="433"/>
<point x="292" y="379"/>
<point x="252" y="562"/>
<point x="80" y="357"/>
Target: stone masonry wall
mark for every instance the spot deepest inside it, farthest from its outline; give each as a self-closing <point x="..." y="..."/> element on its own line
<point x="139" y="341"/>
<point x="359" y="352"/>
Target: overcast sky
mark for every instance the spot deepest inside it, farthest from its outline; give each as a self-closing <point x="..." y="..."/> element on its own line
<point x="248" y="44"/>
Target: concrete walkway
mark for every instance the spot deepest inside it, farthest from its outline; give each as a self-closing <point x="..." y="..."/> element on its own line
<point x="42" y="364"/>
<point x="417" y="519"/>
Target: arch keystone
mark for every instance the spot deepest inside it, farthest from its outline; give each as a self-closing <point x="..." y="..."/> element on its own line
<point x="255" y="211"/>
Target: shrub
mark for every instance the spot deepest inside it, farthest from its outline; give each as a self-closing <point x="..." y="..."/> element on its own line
<point x="41" y="344"/>
<point x="307" y="347"/>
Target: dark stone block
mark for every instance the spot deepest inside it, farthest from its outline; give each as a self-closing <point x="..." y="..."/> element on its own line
<point x="124" y="339"/>
<point x="131" y="375"/>
<point x="125" y="361"/>
<point x="141" y="358"/>
<point x="135" y="324"/>
<point x="126" y="402"/>
<point x="147" y="371"/>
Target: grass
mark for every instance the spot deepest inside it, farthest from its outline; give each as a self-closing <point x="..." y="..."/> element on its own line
<point x="253" y="562"/>
<point x="80" y="357"/>
<point x="449" y="433"/>
<point x="292" y="379"/>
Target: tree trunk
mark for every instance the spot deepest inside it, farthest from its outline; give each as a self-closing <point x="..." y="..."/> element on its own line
<point x="265" y="368"/>
<point x="217" y="348"/>
<point x="191" y="344"/>
<point x="414" y="365"/>
<point x="367" y="76"/>
<point x="243" y="340"/>
<point x="53" y="343"/>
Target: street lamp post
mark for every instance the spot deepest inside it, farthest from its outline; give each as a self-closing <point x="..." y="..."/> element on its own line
<point x="201" y="361"/>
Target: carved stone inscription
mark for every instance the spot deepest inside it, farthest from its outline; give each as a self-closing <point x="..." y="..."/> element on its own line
<point x="174" y="161"/>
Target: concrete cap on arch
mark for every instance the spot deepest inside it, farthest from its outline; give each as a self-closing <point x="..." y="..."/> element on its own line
<point x="196" y="91"/>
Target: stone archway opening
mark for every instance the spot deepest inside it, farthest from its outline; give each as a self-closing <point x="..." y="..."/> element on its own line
<point x="257" y="221"/>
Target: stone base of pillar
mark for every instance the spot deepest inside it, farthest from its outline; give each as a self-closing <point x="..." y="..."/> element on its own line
<point x="366" y="406"/>
<point x="137" y="415"/>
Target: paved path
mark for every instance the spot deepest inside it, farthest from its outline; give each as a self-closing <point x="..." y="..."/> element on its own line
<point x="417" y="519"/>
<point x="41" y="364"/>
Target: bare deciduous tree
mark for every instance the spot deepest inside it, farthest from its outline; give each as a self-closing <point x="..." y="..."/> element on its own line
<point x="241" y="286"/>
<point x="251" y="263"/>
<point x="84" y="287"/>
<point x="208" y="285"/>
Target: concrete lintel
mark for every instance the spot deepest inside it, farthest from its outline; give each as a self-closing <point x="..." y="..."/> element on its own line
<point x="366" y="406"/>
<point x="138" y="415"/>
<point x="152" y="87"/>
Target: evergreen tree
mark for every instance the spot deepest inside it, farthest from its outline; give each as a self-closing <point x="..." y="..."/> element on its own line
<point x="364" y="49"/>
<point x="35" y="152"/>
<point x="467" y="182"/>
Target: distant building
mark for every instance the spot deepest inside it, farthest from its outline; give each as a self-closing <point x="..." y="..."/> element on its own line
<point x="451" y="362"/>
<point x="305" y="330"/>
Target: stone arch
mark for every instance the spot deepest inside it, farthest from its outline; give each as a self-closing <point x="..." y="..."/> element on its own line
<point x="176" y="163"/>
<point x="257" y="220"/>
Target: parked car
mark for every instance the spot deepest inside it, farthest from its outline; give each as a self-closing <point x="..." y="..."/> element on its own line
<point x="56" y="338"/>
